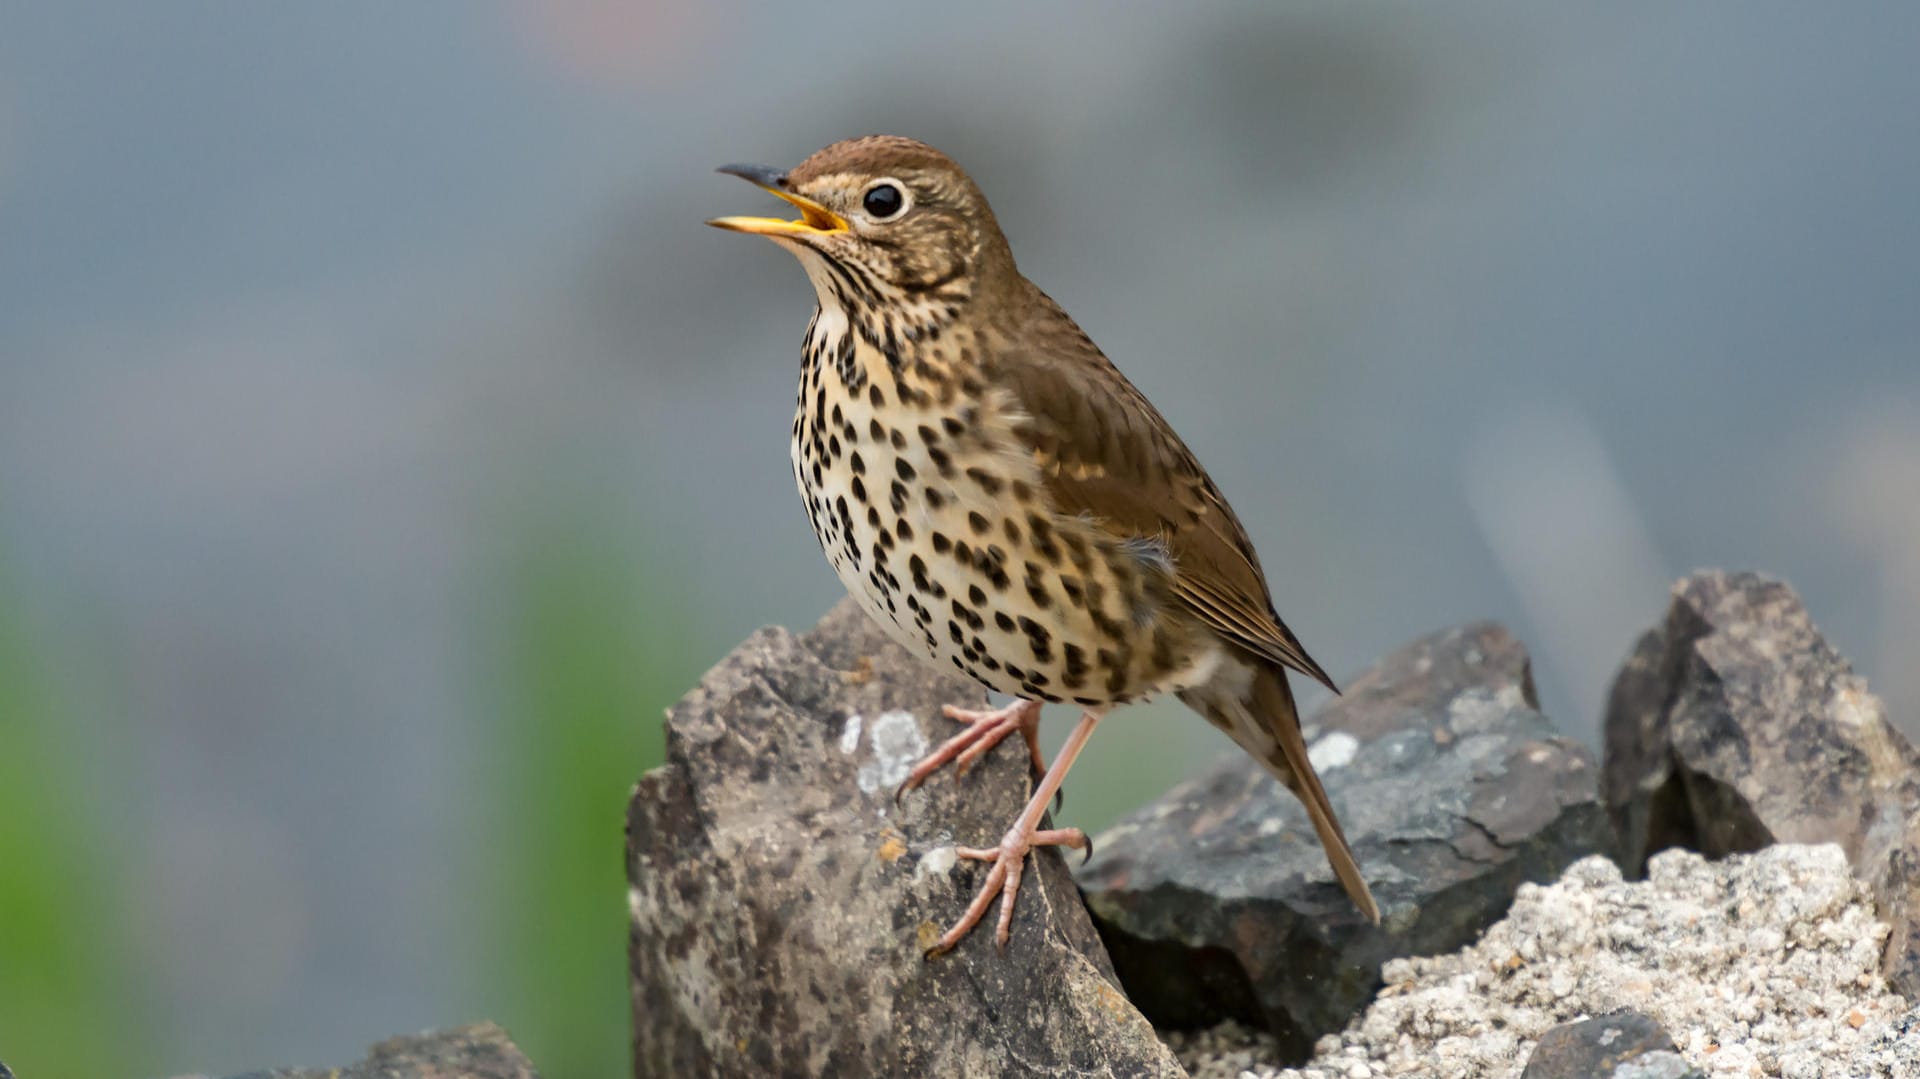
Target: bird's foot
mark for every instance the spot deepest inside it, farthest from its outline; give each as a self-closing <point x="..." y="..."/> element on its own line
<point x="1009" y="862"/>
<point x="985" y="729"/>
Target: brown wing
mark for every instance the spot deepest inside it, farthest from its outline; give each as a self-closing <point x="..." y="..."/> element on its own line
<point x="1106" y="452"/>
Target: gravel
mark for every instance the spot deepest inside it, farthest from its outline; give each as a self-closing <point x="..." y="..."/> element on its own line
<point x="1759" y="965"/>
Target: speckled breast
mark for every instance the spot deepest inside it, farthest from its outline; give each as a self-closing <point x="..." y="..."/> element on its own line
<point x="934" y="516"/>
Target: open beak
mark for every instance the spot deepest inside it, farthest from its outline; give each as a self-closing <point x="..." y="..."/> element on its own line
<point x="815" y="219"/>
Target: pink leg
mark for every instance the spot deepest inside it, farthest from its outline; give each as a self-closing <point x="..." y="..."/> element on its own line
<point x="1009" y="858"/>
<point x="984" y="731"/>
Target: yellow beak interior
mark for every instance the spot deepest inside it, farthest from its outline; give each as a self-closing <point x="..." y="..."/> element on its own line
<point x="815" y="219"/>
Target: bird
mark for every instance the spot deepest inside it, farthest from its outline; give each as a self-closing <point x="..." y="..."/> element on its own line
<point x="1000" y="499"/>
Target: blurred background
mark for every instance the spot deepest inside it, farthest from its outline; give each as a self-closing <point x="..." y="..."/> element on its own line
<point x="384" y="442"/>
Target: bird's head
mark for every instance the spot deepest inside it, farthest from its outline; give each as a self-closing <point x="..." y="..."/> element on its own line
<point x="884" y="222"/>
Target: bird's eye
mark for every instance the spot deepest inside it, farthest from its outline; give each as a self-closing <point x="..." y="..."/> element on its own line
<point x="884" y="201"/>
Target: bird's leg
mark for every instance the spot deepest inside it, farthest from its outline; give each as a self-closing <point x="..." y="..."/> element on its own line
<point x="1009" y="858"/>
<point x="985" y="729"/>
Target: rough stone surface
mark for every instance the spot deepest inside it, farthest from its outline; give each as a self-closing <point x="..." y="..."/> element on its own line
<point x="781" y="901"/>
<point x="1453" y="789"/>
<point x="477" y="1051"/>
<point x="1599" y="1047"/>
<point x="1734" y="725"/>
<point x="1762" y="964"/>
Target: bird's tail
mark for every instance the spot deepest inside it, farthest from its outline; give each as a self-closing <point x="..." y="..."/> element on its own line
<point x="1273" y="709"/>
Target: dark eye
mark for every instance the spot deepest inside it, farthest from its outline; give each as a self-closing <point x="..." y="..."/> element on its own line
<point x="884" y="201"/>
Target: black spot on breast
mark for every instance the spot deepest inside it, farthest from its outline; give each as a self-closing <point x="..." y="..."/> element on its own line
<point x="902" y="467"/>
<point x="874" y="396"/>
<point x="1037" y="592"/>
<point x="988" y="482"/>
<point x="859" y="489"/>
<point x="1071" y="586"/>
<point x="1038" y="639"/>
<point x="854" y="462"/>
<point x="1074" y="675"/>
<point x="876" y="431"/>
<point x="942" y="461"/>
<point x="941" y="544"/>
<point x="1041" y="530"/>
<point x="899" y="440"/>
<point x="968" y="615"/>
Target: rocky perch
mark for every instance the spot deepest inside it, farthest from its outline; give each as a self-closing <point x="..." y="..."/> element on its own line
<point x="781" y="899"/>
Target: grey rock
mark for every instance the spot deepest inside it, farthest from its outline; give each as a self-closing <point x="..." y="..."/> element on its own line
<point x="1735" y="725"/>
<point x="1621" y="1044"/>
<point x="782" y="901"/>
<point x="476" y="1051"/>
<point x="1216" y="901"/>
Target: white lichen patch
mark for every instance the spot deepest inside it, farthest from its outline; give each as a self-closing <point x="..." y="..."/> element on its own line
<point x="896" y="744"/>
<point x="936" y="862"/>
<point x="850" y="734"/>
<point x="1336" y="750"/>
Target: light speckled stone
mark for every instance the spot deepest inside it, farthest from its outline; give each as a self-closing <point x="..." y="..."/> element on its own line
<point x="1734" y="724"/>
<point x="1764" y="964"/>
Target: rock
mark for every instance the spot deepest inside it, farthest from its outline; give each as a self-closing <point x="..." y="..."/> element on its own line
<point x="1735" y="725"/>
<point x="478" y="1051"/>
<point x="781" y="901"/>
<point x="1618" y="1040"/>
<point x="1216" y="901"/>
<point x="1761" y="964"/>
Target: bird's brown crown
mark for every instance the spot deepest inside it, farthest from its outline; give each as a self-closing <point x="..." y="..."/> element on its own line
<point x="886" y="221"/>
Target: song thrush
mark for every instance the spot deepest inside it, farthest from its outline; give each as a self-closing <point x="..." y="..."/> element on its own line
<point x="998" y="496"/>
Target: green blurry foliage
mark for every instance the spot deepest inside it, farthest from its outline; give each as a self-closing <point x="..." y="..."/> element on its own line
<point x="64" y="960"/>
<point x="592" y="655"/>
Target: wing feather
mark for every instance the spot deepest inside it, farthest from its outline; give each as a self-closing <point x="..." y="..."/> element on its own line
<point x="1106" y="453"/>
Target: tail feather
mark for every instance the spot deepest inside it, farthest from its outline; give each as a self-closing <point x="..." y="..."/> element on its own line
<point x="1273" y="708"/>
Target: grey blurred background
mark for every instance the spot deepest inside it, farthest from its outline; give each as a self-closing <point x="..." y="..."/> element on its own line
<point x="384" y="441"/>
